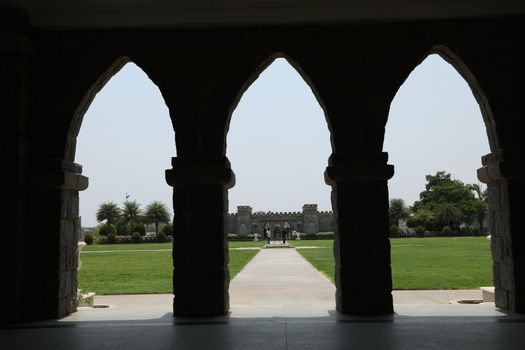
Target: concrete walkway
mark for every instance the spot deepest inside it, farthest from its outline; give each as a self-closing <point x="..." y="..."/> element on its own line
<point x="280" y="282"/>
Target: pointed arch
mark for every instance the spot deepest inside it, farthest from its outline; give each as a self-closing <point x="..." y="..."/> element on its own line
<point x="260" y="69"/>
<point x="477" y="91"/>
<point x="475" y="87"/>
<point x="89" y="96"/>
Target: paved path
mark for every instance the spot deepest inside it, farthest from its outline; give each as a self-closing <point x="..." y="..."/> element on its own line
<point x="280" y="282"/>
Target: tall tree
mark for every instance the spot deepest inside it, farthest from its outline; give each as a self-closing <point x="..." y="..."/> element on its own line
<point x="156" y="212"/>
<point x="481" y="206"/>
<point x="131" y="213"/>
<point x="397" y="210"/>
<point x="108" y="211"/>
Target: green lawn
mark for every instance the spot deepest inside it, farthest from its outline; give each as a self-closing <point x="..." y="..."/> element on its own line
<point x="417" y="263"/>
<point x="423" y="263"/>
<point x="138" y="268"/>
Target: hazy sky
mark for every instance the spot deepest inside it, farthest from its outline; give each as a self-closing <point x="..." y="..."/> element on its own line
<point x="278" y="141"/>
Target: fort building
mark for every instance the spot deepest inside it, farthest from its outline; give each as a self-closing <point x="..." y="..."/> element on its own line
<point x="309" y="220"/>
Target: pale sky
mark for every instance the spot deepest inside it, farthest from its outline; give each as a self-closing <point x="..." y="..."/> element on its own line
<point x="278" y="142"/>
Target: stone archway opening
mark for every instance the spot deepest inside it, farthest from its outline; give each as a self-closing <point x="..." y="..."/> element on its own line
<point x="278" y="146"/>
<point x="124" y="139"/>
<point x="436" y="134"/>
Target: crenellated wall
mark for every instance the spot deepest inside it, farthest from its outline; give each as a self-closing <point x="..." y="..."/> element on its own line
<point x="298" y="221"/>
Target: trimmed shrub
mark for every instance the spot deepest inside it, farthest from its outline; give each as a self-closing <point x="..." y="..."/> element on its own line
<point x="123" y="228"/>
<point x="168" y="229"/>
<point x="112" y="238"/>
<point x="136" y="237"/>
<point x="420" y="231"/>
<point x="106" y="230"/>
<point x="140" y="228"/>
<point x="102" y="240"/>
<point x="475" y="230"/>
<point x="445" y="229"/>
<point x="161" y="237"/>
<point x="88" y="239"/>
<point x="394" y="231"/>
<point x="325" y="235"/>
<point x="319" y="235"/>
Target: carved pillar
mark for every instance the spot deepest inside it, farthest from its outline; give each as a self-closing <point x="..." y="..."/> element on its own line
<point x="200" y="241"/>
<point x="504" y="174"/>
<point x="361" y="246"/>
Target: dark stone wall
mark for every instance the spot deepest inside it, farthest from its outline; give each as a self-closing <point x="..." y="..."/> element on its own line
<point x="49" y="77"/>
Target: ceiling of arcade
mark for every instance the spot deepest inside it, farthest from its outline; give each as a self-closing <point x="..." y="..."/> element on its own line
<point x="158" y="13"/>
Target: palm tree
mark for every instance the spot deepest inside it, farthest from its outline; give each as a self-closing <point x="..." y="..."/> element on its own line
<point x="397" y="210"/>
<point x="108" y="211"/>
<point x="157" y="212"/>
<point x="422" y="217"/>
<point x="131" y="213"/>
<point x="448" y="214"/>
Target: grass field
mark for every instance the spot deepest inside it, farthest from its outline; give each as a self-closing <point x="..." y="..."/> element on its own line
<point x="139" y="268"/>
<point x="417" y="263"/>
<point x="424" y="263"/>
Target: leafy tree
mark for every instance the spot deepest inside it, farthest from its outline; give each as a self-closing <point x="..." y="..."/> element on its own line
<point x="108" y="211"/>
<point x="168" y="229"/>
<point x="156" y="212"/>
<point x="397" y="210"/>
<point x="451" y="201"/>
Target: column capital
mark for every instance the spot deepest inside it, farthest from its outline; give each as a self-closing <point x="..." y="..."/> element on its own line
<point x="57" y="174"/>
<point x="189" y="171"/>
<point x="359" y="166"/>
<point x="501" y="165"/>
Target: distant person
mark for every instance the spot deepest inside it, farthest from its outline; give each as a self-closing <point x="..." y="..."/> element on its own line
<point x="268" y="235"/>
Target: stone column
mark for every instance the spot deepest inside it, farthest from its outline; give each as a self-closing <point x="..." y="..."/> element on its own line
<point x="361" y="247"/>
<point x="504" y="174"/>
<point x="200" y="241"/>
<point x="49" y="275"/>
<point x="17" y="54"/>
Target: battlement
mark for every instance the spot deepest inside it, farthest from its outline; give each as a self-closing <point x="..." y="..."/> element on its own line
<point x="310" y="207"/>
<point x="281" y="214"/>
<point x="244" y="209"/>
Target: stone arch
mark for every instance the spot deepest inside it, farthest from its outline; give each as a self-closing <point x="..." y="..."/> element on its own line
<point x="260" y="69"/>
<point x="242" y="229"/>
<point x="475" y="87"/>
<point x="499" y="176"/>
<point x="464" y="71"/>
<point x="89" y="96"/>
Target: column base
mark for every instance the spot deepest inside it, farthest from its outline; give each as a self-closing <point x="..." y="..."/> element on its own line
<point x="365" y="305"/>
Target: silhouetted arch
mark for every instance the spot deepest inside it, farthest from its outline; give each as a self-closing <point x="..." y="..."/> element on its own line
<point x="87" y="99"/>
<point x="261" y="68"/>
<point x="475" y="87"/>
